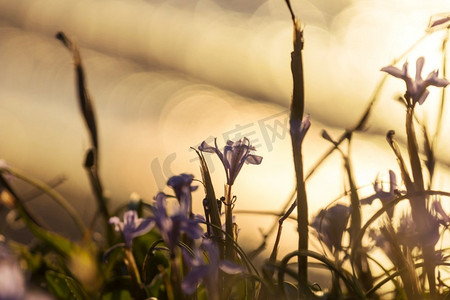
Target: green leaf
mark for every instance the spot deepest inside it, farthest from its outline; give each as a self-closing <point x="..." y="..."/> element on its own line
<point x="64" y="287"/>
<point x="210" y="195"/>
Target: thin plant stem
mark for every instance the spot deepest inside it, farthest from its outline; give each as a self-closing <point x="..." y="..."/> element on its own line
<point x="134" y="271"/>
<point x="295" y="121"/>
<point x="229" y="239"/>
<point x="358" y="127"/>
<point x="443" y="93"/>
<point x="53" y="194"/>
<point x="419" y="212"/>
<point x="175" y="278"/>
<point x="92" y="156"/>
<point x="413" y="150"/>
<point x="437" y="133"/>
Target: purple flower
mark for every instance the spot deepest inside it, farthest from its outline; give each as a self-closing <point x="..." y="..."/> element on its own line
<point x="181" y="184"/>
<point x="132" y="226"/>
<point x="416" y="89"/>
<point x="407" y="231"/>
<point x="437" y="207"/>
<point x="331" y="224"/>
<point x="412" y="233"/>
<point x="171" y="227"/>
<point x="234" y="155"/>
<point x="384" y="196"/>
<point x="208" y="273"/>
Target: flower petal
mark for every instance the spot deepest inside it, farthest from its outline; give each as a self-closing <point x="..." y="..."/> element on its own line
<point x="204" y="147"/>
<point x="419" y="66"/>
<point x="396" y="72"/>
<point x="230" y="267"/>
<point x="304" y="127"/>
<point x="422" y="98"/>
<point x="118" y="225"/>
<point x="132" y="226"/>
<point x="438" y="209"/>
<point x="145" y="226"/>
<point x="129" y="218"/>
<point x="254" y="159"/>
<point x="198" y="218"/>
<point x="192" y="228"/>
<point x="433" y="79"/>
<point x="392" y="181"/>
<point x="193" y="278"/>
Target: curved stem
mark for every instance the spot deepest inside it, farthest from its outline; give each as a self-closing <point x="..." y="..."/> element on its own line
<point x="53" y="194"/>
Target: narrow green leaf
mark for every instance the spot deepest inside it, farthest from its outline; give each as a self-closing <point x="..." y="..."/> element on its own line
<point x="64" y="287"/>
<point x="413" y="150"/>
<point x="60" y="244"/>
<point x="210" y="195"/>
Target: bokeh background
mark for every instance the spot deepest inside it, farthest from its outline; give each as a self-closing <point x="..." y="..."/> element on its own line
<point x="167" y="74"/>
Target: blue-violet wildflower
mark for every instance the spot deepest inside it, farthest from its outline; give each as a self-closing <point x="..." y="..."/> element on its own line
<point x="171" y="227"/>
<point x="132" y="226"/>
<point x="234" y="155"/>
<point x="331" y="224"/>
<point x="416" y="88"/>
<point x="181" y="184"/>
<point x="208" y="273"/>
<point x="384" y="196"/>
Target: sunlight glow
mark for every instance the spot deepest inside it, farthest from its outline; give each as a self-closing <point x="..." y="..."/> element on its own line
<point x="166" y="75"/>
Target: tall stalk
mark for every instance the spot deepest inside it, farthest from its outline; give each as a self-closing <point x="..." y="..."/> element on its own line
<point x="419" y="211"/>
<point x="229" y="239"/>
<point x="295" y="121"/>
<point x="92" y="155"/>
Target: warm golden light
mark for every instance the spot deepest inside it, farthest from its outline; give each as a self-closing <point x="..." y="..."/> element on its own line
<point x="166" y="75"/>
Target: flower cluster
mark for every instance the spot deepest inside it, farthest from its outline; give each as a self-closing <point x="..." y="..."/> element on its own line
<point x="204" y="262"/>
<point x="170" y="226"/>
